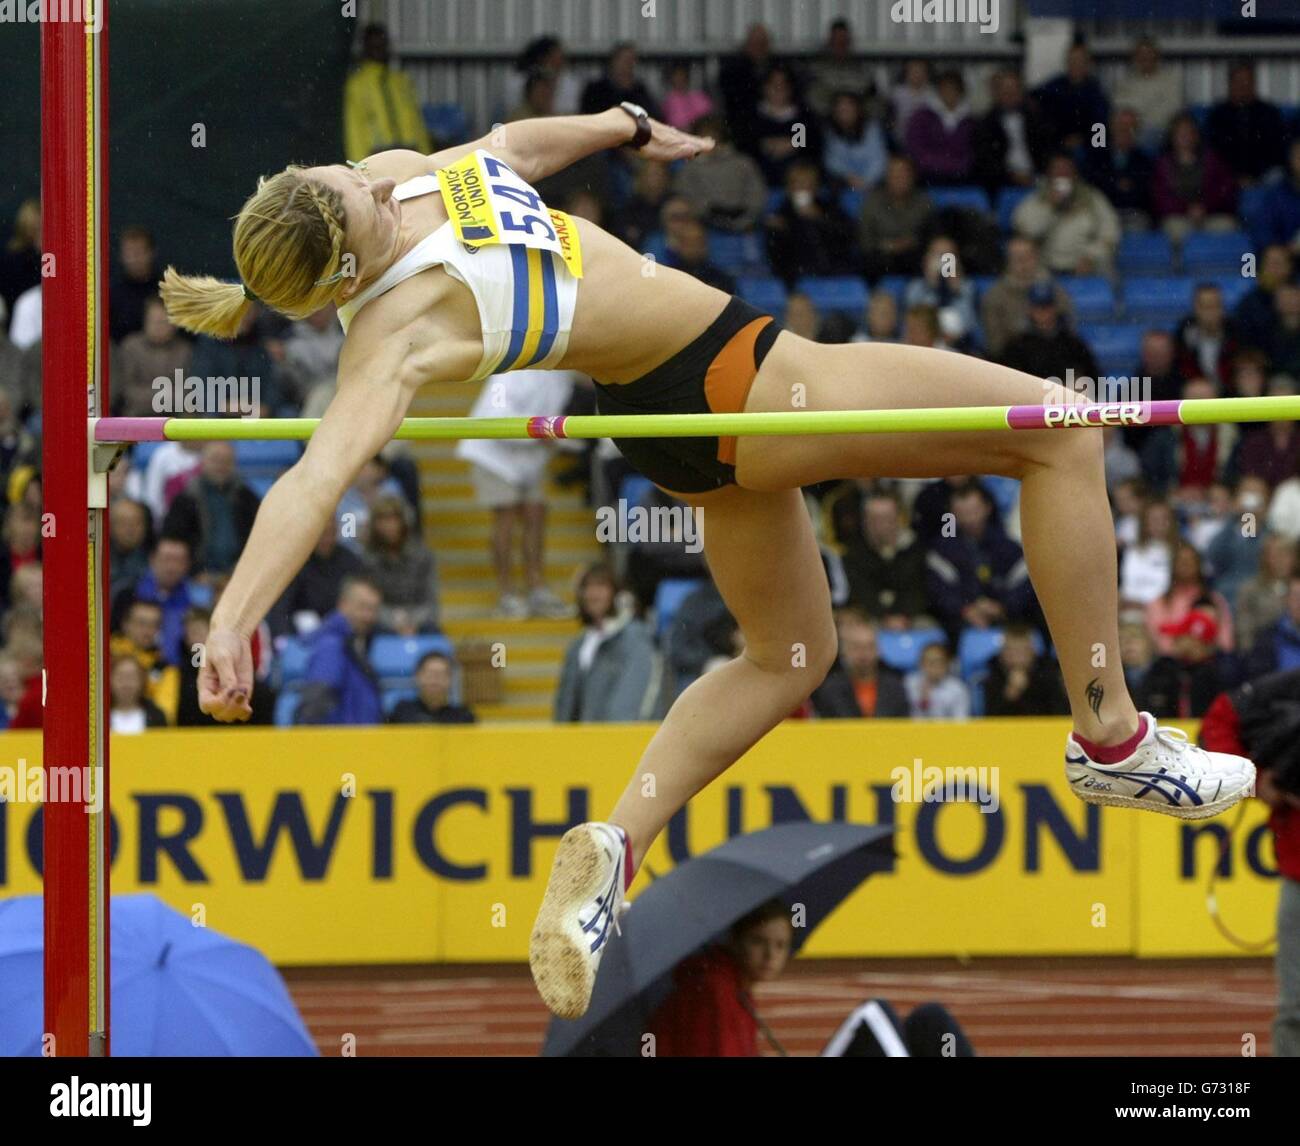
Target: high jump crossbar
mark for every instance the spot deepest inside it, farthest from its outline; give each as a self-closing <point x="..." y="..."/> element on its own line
<point x="1187" y="412"/>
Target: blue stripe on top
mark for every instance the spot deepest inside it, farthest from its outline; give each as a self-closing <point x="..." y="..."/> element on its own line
<point x="550" y="308"/>
<point x="519" y="322"/>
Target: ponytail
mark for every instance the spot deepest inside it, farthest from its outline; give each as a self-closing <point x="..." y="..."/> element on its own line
<point x="202" y="304"/>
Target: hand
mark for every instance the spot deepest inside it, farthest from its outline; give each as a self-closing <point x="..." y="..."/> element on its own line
<point x="668" y="144"/>
<point x="226" y="677"/>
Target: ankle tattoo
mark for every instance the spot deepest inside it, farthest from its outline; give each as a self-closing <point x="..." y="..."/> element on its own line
<point x="1095" y="696"/>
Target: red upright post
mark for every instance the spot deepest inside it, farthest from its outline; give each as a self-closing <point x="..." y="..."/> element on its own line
<point x="74" y="184"/>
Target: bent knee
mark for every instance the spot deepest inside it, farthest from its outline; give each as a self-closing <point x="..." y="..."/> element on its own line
<point x="805" y="662"/>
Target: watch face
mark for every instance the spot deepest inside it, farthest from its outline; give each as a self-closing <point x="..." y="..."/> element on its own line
<point x="636" y="109"/>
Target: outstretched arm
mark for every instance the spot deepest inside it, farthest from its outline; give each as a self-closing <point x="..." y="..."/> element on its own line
<point x="371" y="401"/>
<point x="536" y="148"/>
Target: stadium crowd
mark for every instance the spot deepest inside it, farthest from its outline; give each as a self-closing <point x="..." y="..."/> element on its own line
<point x="1113" y="238"/>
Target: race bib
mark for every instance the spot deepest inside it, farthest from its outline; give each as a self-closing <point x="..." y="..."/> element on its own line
<point x="488" y="203"/>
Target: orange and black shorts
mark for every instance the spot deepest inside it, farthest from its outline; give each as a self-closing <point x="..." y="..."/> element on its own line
<point x="710" y="376"/>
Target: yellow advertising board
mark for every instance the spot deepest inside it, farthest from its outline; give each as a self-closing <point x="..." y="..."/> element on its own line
<point x="433" y="843"/>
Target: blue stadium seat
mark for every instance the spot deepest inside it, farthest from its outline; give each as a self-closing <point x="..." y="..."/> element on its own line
<point x="261" y="486"/>
<point x="1251" y="210"/>
<point x="737" y="254"/>
<point x="851" y="202"/>
<point x="634" y="489"/>
<point x="1005" y="491"/>
<point x="775" y="198"/>
<point x="266" y="456"/>
<point x="286" y="704"/>
<point x="981" y="283"/>
<point x="1157" y="301"/>
<point x="141" y="452"/>
<point x="769" y="295"/>
<point x="1093" y="298"/>
<point x="655" y="245"/>
<point x="1009" y="198"/>
<point x="392" y="656"/>
<point x="902" y="651"/>
<point x="291" y="657"/>
<point x="1116" y="346"/>
<point x="974" y="198"/>
<point x="1145" y="253"/>
<point x="1201" y="113"/>
<point x="668" y="600"/>
<point x="392" y="697"/>
<point x="1215" y="254"/>
<point x="975" y="648"/>
<point x="447" y="122"/>
<point x="845" y="294"/>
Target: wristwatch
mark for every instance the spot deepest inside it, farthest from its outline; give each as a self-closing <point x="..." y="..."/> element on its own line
<point x="643" y="128"/>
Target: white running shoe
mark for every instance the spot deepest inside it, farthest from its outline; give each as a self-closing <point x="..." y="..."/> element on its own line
<point x="579" y="914"/>
<point x="1166" y="773"/>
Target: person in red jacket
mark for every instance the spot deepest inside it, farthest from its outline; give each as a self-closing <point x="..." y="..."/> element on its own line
<point x="1265" y="714"/>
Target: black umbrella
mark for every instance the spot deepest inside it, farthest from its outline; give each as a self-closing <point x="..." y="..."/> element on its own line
<point x="816" y="865"/>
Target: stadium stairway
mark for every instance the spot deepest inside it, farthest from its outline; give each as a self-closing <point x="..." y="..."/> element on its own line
<point x="456" y="528"/>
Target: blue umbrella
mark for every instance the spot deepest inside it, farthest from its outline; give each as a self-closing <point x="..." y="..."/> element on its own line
<point x="177" y="990"/>
<point x="816" y="865"/>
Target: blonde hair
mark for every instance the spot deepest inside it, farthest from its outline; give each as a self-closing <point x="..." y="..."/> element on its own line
<point x="27" y="227"/>
<point x="288" y="247"/>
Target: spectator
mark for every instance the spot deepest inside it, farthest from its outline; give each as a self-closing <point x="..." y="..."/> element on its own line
<point x="545" y="56"/>
<point x="893" y="216"/>
<point x="619" y="84"/>
<point x="26" y="588"/>
<point x="1184" y="683"/>
<point x="1245" y="131"/>
<point x="921" y="328"/>
<point x="639" y="217"/>
<point x="809" y="235"/>
<point x="688" y="251"/>
<point x="1235" y="553"/>
<point x="313" y="594"/>
<point x="150" y="356"/>
<point x="856" y="153"/>
<point x="1277" y="648"/>
<point x="214" y="514"/>
<point x="783" y="130"/>
<point x="1020" y="682"/>
<point x="1049" y="349"/>
<point x="1188" y="590"/>
<point x="684" y="104"/>
<point x="1012" y="139"/>
<point x="339" y="686"/>
<point x="1207" y="343"/>
<point x="25" y="323"/>
<point x="1190" y="458"/>
<point x="1146" y="566"/>
<point x="130" y="710"/>
<point x="17" y="447"/>
<point x="695" y="637"/>
<point x="373" y="481"/>
<point x="801" y="316"/>
<point x="881" y="317"/>
<point x="1152" y="90"/>
<point x="1261" y="601"/>
<point x="725" y="186"/>
<point x="170" y="466"/>
<point x="1137" y="654"/>
<point x="23" y="647"/>
<point x="433" y="704"/>
<point x="402" y="569"/>
<point x="1005" y="305"/>
<point x="1193" y="189"/>
<point x="20" y="261"/>
<point x="1272" y="451"/>
<point x="19" y="546"/>
<point x="857" y="685"/>
<point x="885" y="565"/>
<point x="11" y="688"/>
<point x="1123" y="171"/>
<point x="976" y="575"/>
<point x="380" y="108"/>
<point x="1284" y="512"/>
<point x="134" y="280"/>
<point x="740" y="79"/>
<point x="674" y="550"/>
<point x="244" y="357"/>
<point x="1074" y="103"/>
<point x="944" y="286"/>
<point x="913" y="91"/>
<point x="941" y="134"/>
<point x="186" y="712"/>
<point x="836" y="71"/>
<point x="1129" y="500"/>
<point x="311" y="354"/>
<point x="1284" y="349"/>
<point x="932" y="691"/>
<point x="139" y="635"/>
<point x="1077" y="228"/>
<point x="509" y="481"/>
<point x="1278" y="219"/>
<point x="1256" y="315"/>
<point x="609" y="671"/>
<point x="167" y="582"/>
<point x="537" y="98"/>
<point x="1122" y="464"/>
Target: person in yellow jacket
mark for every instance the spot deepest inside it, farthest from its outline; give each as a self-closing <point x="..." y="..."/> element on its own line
<point x="380" y="108"/>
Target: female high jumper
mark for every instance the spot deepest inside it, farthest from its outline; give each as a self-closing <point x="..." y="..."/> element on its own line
<point x="450" y="267"/>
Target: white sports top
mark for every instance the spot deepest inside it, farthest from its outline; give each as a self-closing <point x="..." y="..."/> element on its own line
<point x="525" y="290"/>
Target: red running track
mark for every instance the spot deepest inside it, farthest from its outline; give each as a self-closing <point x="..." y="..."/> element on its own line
<point x="1038" y="1007"/>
